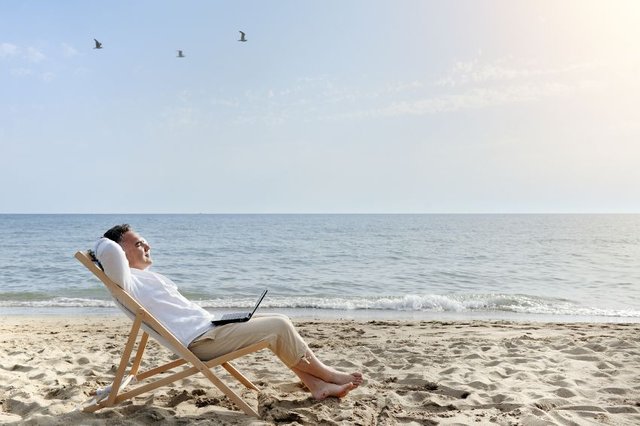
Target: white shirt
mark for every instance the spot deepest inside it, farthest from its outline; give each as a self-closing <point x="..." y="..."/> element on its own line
<point x="156" y="293"/>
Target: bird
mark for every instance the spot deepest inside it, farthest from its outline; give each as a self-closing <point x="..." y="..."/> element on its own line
<point x="242" y="36"/>
<point x="98" y="44"/>
<point x="180" y="54"/>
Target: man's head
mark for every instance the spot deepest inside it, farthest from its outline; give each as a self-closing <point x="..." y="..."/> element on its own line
<point x="137" y="250"/>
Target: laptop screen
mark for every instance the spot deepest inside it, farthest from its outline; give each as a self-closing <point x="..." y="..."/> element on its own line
<point x="264" y="293"/>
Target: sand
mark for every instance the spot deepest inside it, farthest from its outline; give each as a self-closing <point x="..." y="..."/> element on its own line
<point x="417" y="373"/>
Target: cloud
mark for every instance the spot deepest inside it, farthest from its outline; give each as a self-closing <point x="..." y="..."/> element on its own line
<point x="468" y="85"/>
<point x="30" y="54"/>
<point x="8" y="49"/>
<point x="398" y="87"/>
<point x="175" y="118"/>
<point x="474" y="72"/>
<point x="475" y="85"/>
<point x="68" y="50"/>
<point x="34" y="55"/>
<point x="22" y="72"/>
<point x="231" y="103"/>
<point x="46" y="76"/>
<point x="24" y="62"/>
<point x="478" y="98"/>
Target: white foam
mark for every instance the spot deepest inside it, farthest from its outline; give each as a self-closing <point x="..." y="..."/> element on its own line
<point x="457" y="303"/>
<point x="59" y="302"/>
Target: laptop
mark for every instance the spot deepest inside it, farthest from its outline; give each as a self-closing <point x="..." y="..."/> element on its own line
<point x="239" y="316"/>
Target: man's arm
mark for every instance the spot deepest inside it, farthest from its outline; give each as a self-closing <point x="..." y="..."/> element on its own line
<point x="114" y="261"/>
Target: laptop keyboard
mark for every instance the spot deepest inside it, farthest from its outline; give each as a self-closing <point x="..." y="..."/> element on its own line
<point x="235" y="315"/>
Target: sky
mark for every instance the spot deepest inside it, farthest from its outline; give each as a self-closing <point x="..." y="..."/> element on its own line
<point x="336" y="106"/>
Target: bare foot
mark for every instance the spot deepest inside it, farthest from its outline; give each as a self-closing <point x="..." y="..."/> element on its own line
<point x="332" y="389"/>
<point x="340" y="378"/>
<point x="357" y="378"/>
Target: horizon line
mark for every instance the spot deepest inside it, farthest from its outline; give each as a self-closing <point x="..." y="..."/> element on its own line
<point x="325" y="213"/>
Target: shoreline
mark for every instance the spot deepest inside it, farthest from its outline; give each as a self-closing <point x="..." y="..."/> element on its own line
<point x="353" y="315"/>
<point x="417" y="372"/>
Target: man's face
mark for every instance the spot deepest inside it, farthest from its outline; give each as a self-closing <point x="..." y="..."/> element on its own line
<point x="137" y="250"/>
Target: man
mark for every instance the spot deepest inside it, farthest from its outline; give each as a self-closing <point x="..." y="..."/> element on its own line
<point x="126" y="258"/>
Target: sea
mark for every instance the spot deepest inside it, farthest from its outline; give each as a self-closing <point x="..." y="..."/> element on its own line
<point x="539" y="267"/>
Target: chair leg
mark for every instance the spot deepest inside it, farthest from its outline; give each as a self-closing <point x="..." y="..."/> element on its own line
<point x="124" y="361"/>
<point x="141" y="346"/>
<point x="238" y="375"/>
<point x="230" y="393"/>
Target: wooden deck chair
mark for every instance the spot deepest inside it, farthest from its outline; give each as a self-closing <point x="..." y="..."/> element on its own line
<point x="150" y="326"/>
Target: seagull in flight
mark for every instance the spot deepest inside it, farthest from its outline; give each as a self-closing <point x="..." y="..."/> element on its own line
<point x="242" y="36"/>
<point x="180" y="54"/>
<point x="98" y="44"/>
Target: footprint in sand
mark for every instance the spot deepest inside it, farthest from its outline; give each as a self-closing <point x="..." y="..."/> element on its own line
<point x="577" y="351"/>
<point x="64" y="392"/>
<point x="616" y="391"/>
<point x="178" y="397"/>
<point x="21" y="405"/>
<point x="83" y="360"/>
<point x="20" y="367"/>
<point x="371" y="363"/>
<point x="564" y="393"/>
<point x="596" y="347"/>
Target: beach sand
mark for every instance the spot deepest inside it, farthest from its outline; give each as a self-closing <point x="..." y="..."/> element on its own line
<point x="417" y="373"/>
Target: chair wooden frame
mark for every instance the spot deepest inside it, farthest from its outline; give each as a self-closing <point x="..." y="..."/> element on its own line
<point x="143" y="319"/>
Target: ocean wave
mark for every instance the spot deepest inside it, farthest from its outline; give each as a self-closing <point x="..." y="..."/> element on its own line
<point x="522" y="304"/>
<point x="58" y="302"/>
<point x="456" y="303"/>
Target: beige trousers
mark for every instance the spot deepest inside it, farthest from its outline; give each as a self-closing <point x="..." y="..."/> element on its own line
<point x="275" y="329"/>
